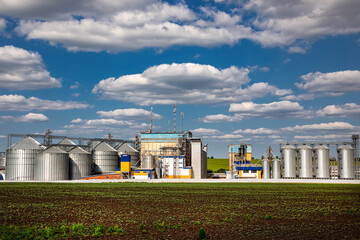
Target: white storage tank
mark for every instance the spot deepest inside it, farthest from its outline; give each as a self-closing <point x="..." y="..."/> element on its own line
<point x="2" y="160"/>
<point x="276" y="168"/>
<point x="20" y="159"/>
<point x="266" y="168"/>
<point x="346" y="162"/>
<point x="52" y="165"/>
<point x="125" y="148"/>
<point x="305" y="161"/>
<point x="106" y="158"/>
<point x="288" y="154"/>
<point x="80" y="163"/>
<point x="322" y="161"/>
<point x="148" y="161"/>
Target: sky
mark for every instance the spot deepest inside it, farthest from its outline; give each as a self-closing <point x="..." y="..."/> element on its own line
<point x="260" y="72"/>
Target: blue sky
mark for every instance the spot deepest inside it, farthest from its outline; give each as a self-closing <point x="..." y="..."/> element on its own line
<point x="254" y="71"/>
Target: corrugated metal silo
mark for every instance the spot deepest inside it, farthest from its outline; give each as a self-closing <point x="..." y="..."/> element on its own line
<point x="80" y="163"/>
<point x="276" y="168"/>
<point x="148" y="161"/>
<point x="266" y="168"/>
<point x="20" y="159"/>
<point x="67" y="144"/>
<point x="288" y="153"/>
<point x="106" y="158"/>
<point x="52" y="165"/>
<point x="2" y="160"/>
<point x="305" y="161"/>
<point x="322" y="161"/>
<point x="346" y="161"/>
<point x="125" y="148"/>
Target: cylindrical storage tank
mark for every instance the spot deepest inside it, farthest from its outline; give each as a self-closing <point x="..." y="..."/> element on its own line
<point x="305" y="161"/>
<point x="276" y="168"/>
<point x="2" y="160"/>
<point x="125" y="148"/>
<point x="106" y="158"/>
<point x="52" y="165"/>
<point x="266" y="168"/>
<point x="322" y="161"/>
<point x="66" y="144"/>
<point x="288" y="154"/>
<point x="80" y="163"/>
<point x="20" y="159"/>
<point x="346" y="161"/>
<point x="148" y="161"/>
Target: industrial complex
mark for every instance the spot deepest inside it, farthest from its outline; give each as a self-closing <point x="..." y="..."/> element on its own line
<point x="167" y="155"/>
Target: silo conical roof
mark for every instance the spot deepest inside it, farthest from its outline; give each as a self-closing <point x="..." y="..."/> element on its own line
<point x="288" y="146"/>
<point x="304" y="146"/>
<point x="54" y="149"/>
<point x="124" y="147"/>
<point x="321" y="146"/>
<point x="27" y="143"/>
<point x="66" y="141"/>
<point x="345" y="146"/>
<point x="78" y="150"/>
<point x="104" y="147"/>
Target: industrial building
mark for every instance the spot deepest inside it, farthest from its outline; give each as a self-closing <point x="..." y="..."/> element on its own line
<point x="240" y="165"/>
<point x="155" y="155"/>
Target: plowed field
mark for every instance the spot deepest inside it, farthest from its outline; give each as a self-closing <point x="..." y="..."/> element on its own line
<point x="179" y="211"/>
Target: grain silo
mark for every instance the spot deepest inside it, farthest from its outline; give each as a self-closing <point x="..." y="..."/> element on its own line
<point x="52" y="165"/>
<point x="288" y="153"/>
<point x="80" y="163"/>
<point x="266" y="168"/>
<point x="20" y="159"/>
<point x="346" y="161"/>
<point x="105" y="158"/>
<point x="322" y="161"/>
<point x="305" y="161"/>
<point x="66" y="144"/>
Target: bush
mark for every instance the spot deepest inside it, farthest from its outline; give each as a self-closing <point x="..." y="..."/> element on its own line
<point x="202" y="234"/>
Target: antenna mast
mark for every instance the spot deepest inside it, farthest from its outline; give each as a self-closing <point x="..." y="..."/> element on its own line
<point x="151" y="119"/>
<point x="182" y="122"/>
<point x="174" y="118"/>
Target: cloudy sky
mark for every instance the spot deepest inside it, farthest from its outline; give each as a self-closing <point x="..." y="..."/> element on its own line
<point x="254" y="71"/>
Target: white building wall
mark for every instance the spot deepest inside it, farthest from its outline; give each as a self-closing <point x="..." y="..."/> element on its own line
<point x="196" y="158"/>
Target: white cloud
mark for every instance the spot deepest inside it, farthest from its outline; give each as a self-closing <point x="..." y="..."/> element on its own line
<point x="306" y="96"/>
<point x="21" y="69"/>
<point x="205" y="131"/>
<point x="2" y="25"/>
<point x="129" y="113"/>
<point x="337" y="126"/>
<point x="331" y="137"/>
<point x="21" y="103"/>
<point x="76" y="85"/>
<point x="333" y="83"/>
<point x="304" y="20"/>
<point x="159" y="25"/>
<point x="105" y="125"/>
<point x="282" y="109"/>
<point x="347" y="110"/>
<point x="30" y="117"/>
<point x="258" y="131"/>
<point x="184" y="83"/>
<point x="66" y="9"/>
<point x="220" y="118"/>
<point x="258" y="90"/>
